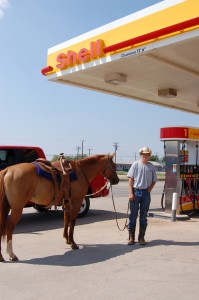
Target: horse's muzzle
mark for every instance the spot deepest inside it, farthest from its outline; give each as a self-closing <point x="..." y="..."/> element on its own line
<point x="115" y="180"/>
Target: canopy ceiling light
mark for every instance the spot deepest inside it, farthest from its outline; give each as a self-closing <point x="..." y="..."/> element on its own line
<point x="115" y="78"/>
<point x="169" y="93"/>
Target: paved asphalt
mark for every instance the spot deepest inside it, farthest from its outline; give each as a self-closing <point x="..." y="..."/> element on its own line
<point x="105" y="267"/>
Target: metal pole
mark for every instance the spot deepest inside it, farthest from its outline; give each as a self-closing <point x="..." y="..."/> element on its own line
<point x="116" y="146"/>
<point x="82" y="148"/>
<point x="78" y="148"/>
<point x="174" y="207"/>
<point x="89" y="151"/>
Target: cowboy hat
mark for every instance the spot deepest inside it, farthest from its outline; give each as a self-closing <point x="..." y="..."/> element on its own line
<point x="145" y="150"/>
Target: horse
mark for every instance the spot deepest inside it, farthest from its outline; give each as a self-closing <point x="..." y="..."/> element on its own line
<point x="21" y="183"/>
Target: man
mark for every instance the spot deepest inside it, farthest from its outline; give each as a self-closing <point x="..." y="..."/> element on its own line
<point x="142" y="178"/>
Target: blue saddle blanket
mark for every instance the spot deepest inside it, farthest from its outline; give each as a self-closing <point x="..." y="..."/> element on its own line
<point x="42" y="172"/>
<point x="72" y="175"/>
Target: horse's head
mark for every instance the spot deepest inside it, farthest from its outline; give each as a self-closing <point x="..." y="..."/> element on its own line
<point x="110" y="170"/>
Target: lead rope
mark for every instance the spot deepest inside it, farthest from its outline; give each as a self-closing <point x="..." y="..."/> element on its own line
<point x="116" y="218"/>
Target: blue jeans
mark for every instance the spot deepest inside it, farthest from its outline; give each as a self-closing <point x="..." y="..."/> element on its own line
<point x="142" y="199"/>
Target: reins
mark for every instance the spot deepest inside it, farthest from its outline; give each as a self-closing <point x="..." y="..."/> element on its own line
<point x="100" y="190"/>
<point x="116" y="218"/>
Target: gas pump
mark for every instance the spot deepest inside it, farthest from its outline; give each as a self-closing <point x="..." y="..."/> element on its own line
<point x="181" y="168"/>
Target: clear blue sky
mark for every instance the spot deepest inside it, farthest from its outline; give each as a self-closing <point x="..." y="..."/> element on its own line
<point x="57" y="117"/>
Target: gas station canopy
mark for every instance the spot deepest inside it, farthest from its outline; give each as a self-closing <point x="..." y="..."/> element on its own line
<point x="151" y="56"/>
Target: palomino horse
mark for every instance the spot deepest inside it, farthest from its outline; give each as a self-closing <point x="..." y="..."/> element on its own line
<point x="21" y="183"/>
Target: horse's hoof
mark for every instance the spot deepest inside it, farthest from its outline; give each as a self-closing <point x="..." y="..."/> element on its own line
<point x="74" y="246"/>
<point x="14" y="258"/>
<point x="2" y="259"/>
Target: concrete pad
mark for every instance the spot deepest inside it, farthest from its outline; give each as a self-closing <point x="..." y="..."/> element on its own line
<point x="105" y="267"/>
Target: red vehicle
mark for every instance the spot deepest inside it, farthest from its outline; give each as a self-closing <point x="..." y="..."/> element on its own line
<point x="11" y="155"/>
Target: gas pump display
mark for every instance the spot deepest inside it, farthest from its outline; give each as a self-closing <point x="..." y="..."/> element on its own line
<point x="181" y="167"/>
<point x="189" y="197"/>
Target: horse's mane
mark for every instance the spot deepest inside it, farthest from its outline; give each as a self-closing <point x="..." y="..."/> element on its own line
<point x="89" y="160"/>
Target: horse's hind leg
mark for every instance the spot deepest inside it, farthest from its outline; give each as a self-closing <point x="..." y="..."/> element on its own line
<point x="13" y="220"/>
<point x="1" y="257"/>
<point x="3" y="229"/>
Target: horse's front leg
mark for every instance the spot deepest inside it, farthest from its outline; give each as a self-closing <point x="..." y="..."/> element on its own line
<point x="66" y="224"/>
<point x="14" y="218"/>
<point x="70" y="216"/>
<point x="74" y="246"/>
<point x="72" y="221"/>
<point x="69" y="231"/>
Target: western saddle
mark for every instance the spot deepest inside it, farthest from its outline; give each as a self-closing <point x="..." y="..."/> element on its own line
<point x="60" y="172"/>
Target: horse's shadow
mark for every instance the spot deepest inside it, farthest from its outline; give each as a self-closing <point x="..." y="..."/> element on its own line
<point x="92" y="254"/>
<point x="88" y="254"/>
<point x="34" y="222"/>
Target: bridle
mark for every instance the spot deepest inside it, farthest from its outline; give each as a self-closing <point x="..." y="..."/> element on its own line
<point x="113" y="178"/>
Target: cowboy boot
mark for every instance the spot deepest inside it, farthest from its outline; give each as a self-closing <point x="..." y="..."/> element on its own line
<point x="141" y="235"/>
<point x="131" y="240"/>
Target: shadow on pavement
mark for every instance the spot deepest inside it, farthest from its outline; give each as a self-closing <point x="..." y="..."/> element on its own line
<point x="170" y="243"/>
<point x="91" y="254"/>
<point x="88" y="254"/>
<point x="32" y="222"/>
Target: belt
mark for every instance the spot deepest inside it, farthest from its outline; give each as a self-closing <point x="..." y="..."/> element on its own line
<point x="138" y="189"/>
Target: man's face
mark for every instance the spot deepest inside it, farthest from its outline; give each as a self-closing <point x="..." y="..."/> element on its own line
<point x="145" y="157"/>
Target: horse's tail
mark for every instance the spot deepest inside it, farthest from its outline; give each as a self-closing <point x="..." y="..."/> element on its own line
<point x="4" y="205"/>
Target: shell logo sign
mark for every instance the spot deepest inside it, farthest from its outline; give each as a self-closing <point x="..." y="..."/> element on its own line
<point x="72" y="58"/>
<point x="163" y="20"/>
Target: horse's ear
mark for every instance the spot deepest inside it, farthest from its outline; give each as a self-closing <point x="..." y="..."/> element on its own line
<point x="112" y="155"/>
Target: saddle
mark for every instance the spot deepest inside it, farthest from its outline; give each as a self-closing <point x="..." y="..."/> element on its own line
<point x="60" y="172"/>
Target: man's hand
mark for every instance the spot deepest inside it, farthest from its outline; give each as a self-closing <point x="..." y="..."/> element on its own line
<point x="151" y="187"/>
<point x="131" y="197"/>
